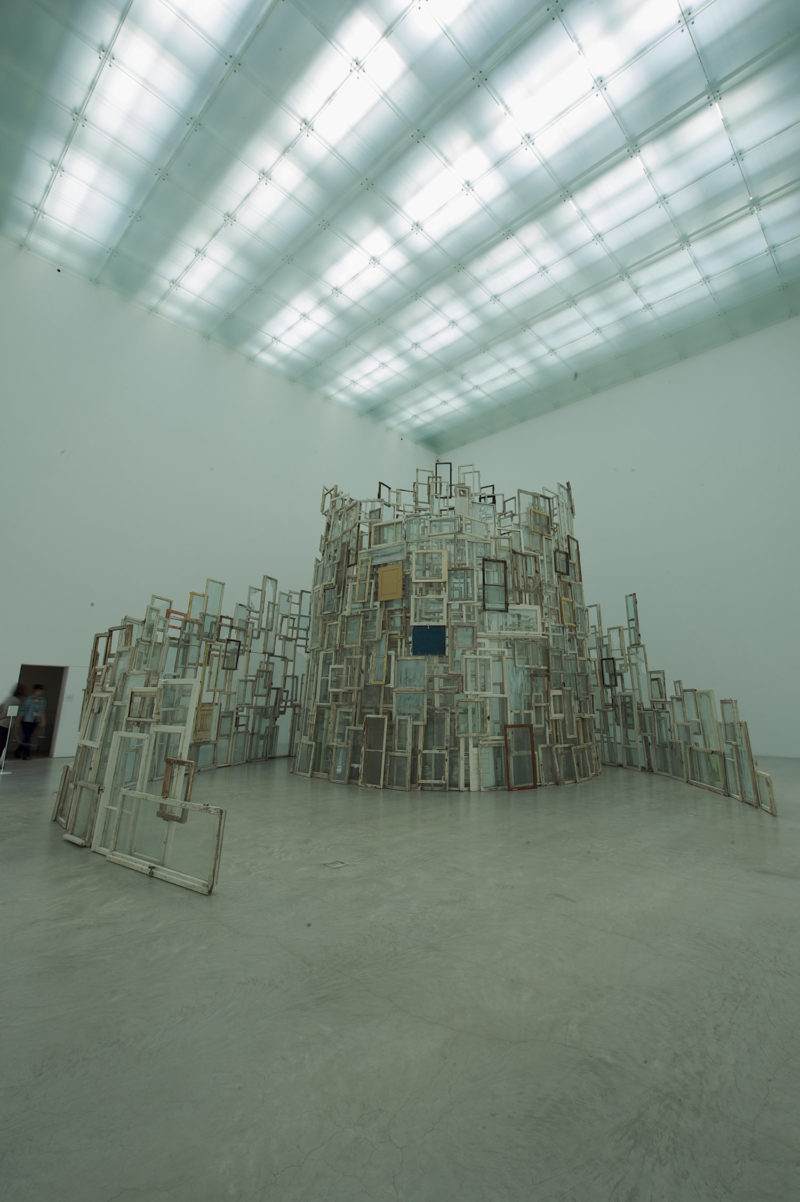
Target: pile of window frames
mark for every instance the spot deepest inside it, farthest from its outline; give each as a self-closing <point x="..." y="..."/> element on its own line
<point x="449" y="640"/>
<point x="450" y="647"/>
<point x="682" y="735"/>
<point x="168" y="695"/>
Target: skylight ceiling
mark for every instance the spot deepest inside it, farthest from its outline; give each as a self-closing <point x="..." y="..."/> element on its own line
<point x="451" y="215"/>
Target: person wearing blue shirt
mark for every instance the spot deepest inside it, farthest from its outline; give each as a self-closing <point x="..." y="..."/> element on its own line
<point x="32" y="714"/>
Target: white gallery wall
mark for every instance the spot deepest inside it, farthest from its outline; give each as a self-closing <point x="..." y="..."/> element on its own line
<point x="138" y="458"/>
<point x="686" y="493"/>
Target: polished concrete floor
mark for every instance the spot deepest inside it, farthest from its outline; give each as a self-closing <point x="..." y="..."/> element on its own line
<point x="580" y="993"/>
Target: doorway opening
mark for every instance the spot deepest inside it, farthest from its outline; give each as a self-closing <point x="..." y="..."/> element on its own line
<point x="52" y="680"/>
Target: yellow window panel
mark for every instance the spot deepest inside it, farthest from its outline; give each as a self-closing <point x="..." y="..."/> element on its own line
<point x="390" y="582"/>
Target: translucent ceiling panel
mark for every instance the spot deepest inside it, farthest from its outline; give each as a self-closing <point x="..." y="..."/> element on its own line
<point x="544" y="79"/>
<point x="158" y="45"/>
<point x="733" y="285"/>
<point x="531" y="296"/>
<point x="581" y="139"/>
<point x="615" y="196"/>
<point x="779" y="217"/>
<point x="50" y="57"/>
<point x="24" y="177"/>
<point x="214" y="22"/>
<point x="167" y="209"/>
<point x="359" y="127"/>
<point x="685" y="306"/>
<point x="295" y="60"/>
<point x="561" y="327"/>
<point x="479" y="120"/>
<point x="113" y="167"/>
<point x="95" y="21"/>
<point x="214" y="283"/>
<point x="190" y="311"/>
<point x="666" y="276"/>
<point x="708" y="199"/>
<point x="556" y="232"/>
<point x="36" y="124"/>
<point x="774" y="163"/>
<point x="530" y="189"/>
<point x="16" y="219"/>
<point x="624" y="333"/>
<point x="763" y="101"/>
<point x="123" y="107"/>
<point x="586" y="269"/>
<point x="285" y="219"/>
<point x="615" y="32"/>
<point x="242" y="114"/>
<point x="254" y="210"/>
<point x="206" y="170"/>
<point x="653" y="87"/>
<point x="235" y="249"/>
<point x="692" y="146"/>
<point x="74" y="201"/>
<point x="132" y="277"/>
<point x="731" y="32"/>
<point x="448" y="206"/>
<point x="610" y="304"/>
<point x="584" y="350"/>
<point x="432" y="74"/>
<point x="649" y="233"/>
<point x="68" y="247"/>
<point x="732" y="243"/>
<point x="476" y="26"/>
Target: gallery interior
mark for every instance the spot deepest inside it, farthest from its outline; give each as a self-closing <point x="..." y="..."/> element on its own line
<point x="263" y="257"/>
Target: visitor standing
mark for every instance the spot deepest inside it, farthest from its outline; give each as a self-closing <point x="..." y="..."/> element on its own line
<point x="33" y="715"/>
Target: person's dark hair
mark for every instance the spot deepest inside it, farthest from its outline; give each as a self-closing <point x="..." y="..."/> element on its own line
<point x="39" y="686"/>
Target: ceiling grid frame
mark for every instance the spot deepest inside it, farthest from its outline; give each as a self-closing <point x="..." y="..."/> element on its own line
<point x="557" y="279"/>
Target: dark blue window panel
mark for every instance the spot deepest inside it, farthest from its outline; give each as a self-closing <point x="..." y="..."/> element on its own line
<point x="428" y="640"/>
